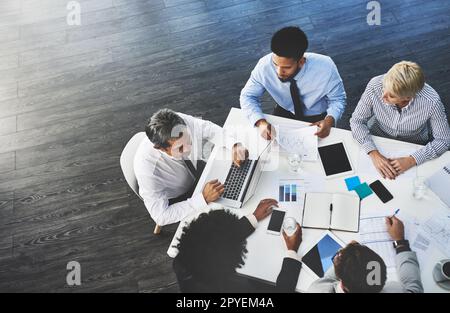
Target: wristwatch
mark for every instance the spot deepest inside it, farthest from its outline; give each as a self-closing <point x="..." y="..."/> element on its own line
<point x="397" y="243"/>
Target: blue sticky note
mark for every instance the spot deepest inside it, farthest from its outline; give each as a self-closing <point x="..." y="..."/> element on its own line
<point x="363" y="190"/>
<point x="352" y="182"/>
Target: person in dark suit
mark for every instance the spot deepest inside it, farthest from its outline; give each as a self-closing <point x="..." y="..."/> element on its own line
<point x="212" y="246"/>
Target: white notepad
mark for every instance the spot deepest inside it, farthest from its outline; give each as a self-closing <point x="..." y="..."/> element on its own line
<point x="333" y="211"/>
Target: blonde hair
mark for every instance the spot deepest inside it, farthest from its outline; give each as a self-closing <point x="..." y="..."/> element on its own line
<point x="405" y="79"/>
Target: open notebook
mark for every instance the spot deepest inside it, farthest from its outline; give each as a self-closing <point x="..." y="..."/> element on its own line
<point x="334" y="211"/>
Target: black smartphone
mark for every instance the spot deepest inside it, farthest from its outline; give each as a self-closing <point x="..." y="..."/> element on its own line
<point x="276" y="221"/>
<point x="381" y="191"/>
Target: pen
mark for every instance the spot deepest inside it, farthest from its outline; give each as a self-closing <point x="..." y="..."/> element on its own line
<point x="395" y="213"/>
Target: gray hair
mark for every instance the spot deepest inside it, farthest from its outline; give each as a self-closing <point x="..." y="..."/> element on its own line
<point x="162" y="127"/>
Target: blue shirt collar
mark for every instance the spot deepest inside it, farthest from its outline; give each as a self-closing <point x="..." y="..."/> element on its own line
<point x="297" y="76"/>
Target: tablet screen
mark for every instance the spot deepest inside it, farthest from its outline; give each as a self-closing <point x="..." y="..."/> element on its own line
<point x="318" y="259"/>
<point x="334" y="159"/>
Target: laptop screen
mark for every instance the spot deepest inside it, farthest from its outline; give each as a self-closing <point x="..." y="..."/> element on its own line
<point x="261" y="162"/>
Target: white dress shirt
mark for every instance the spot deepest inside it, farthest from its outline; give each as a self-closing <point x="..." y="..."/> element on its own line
<point x="162" y="177"/>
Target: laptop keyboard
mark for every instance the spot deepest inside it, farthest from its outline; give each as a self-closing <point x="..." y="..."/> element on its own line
<point x="235" y="180"/>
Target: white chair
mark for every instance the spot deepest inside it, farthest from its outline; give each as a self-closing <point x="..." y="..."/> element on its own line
<point x="126" y="163"/>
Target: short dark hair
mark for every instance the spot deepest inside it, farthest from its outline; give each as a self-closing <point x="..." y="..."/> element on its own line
<point x="351" y="267"/>
<point x="210" y="247"/>
<point x="289" y="42"/>
<point x="160" y="127"/>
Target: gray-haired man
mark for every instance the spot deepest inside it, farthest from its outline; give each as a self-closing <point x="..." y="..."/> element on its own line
<point x="169" y="162"/>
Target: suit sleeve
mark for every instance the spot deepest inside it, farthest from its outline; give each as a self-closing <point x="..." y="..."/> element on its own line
<point x="245" y="228"/>
<point x="288" y="277"/>
<point x="409" y="272"/>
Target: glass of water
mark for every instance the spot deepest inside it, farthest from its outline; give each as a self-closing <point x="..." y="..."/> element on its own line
<point x="419" y="187"/>
<point x="295" y="162"/>
<point x="289" y="226"/>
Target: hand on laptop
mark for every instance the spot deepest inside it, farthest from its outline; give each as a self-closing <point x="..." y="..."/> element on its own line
<point x="264" y="208"/>
<point x="293" y="242"/>
<point x="383" y="165"/>
<point x="265" y="129"/>
<point x="213" y="190"/>
<point x="239" y="154"/>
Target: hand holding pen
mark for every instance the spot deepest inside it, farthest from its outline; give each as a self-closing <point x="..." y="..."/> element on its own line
<point x="395" y="227"/>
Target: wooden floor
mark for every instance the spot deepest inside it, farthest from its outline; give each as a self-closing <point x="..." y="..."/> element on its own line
<point x="71" y="97"/>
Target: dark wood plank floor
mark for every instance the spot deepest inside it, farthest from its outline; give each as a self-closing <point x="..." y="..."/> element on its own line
<point x="71" y="97"/>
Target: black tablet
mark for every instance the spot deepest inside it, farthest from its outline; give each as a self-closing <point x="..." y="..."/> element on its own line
<point x="335" y="160"/>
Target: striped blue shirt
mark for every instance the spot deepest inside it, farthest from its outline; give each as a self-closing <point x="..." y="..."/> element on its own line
<point x="422" y="121"/>
<point x="319" y="83"/>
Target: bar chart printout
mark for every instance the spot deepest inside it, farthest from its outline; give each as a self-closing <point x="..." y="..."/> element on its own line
<point x="288" y="192"/>
<point x="293" y="190"/>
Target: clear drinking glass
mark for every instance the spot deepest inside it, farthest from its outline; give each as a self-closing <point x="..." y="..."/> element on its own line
<point x="295" y="162"/>
<point x="289" y="226"/>
<point x="419" y="187"/>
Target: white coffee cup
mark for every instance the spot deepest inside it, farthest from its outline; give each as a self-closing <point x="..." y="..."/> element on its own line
<point x="443" y="271"/>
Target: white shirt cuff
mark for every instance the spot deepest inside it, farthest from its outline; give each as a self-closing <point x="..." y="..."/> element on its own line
<point x="198" y="201"/>
<point x="229" y="140"/>
<point x="293" y="255"/>
<point x="252" y="219"/>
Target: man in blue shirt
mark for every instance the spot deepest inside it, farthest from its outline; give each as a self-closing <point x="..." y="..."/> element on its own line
<point x="305" y="86"/>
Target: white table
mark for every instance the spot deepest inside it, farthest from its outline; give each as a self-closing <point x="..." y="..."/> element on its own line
<point x="266" y="252"/>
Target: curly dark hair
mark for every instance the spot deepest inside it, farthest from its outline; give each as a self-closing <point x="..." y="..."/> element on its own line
<point x="351" y="267"/>
<point x="289" y="42"/>
<point x="211" y="247"/>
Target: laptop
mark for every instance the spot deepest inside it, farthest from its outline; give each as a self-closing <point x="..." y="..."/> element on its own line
<point x="439" y="183"/>
<point x="240" y="182"/>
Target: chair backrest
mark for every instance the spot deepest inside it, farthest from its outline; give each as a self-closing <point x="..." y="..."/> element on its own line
<point x="127" y="161"/>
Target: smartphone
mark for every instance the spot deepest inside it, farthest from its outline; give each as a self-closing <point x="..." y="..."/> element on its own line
<point x="276" y="222"/>
<point x="381" y="191"/>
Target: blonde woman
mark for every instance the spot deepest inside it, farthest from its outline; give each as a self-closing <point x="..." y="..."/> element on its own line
<point x="400" y="105"/>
